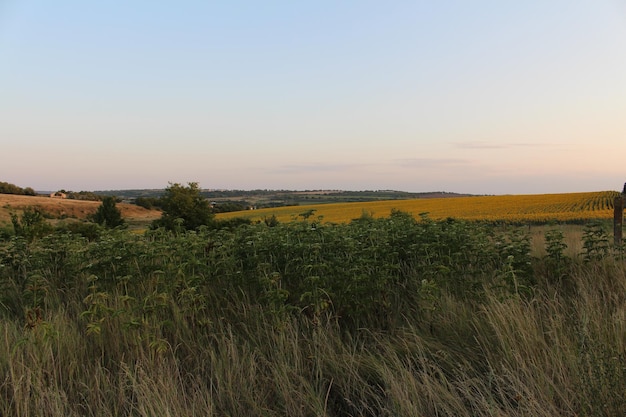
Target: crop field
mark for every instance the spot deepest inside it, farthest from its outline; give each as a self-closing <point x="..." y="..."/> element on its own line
<point x="537" y="208"/>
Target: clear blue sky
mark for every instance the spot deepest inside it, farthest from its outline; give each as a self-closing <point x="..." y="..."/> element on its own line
<point x="485" y="97"/>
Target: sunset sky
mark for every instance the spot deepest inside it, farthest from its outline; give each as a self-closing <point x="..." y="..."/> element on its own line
<point x="482" y="97"/>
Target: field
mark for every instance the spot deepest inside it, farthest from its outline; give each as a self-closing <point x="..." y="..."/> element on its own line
<point x="520" y="209"/>
<point x="539" y="208"/>
<point x="390" y="316"/>
<point x="59" y="209"/>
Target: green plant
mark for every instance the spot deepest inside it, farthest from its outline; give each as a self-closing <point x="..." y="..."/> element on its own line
<point x="31" y="224"/>
<point x="384" y="317"/>
<point x="108" y="215"/>
<point x="184" y="208"/>
<point x="595" y="242"/>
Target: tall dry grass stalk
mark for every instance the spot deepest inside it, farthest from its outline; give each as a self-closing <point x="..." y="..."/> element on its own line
<point x="558" y="350"/>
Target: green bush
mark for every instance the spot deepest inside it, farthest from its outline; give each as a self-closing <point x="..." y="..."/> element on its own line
<point x="108" y="215"/>
<point x="184" y="208"/>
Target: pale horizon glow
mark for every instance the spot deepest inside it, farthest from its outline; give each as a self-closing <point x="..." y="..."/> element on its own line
<point x="470" y="97"/>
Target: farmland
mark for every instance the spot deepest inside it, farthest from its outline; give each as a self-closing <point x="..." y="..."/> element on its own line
<point x="392" y="314"/>
<point x="540" y="208"/>
<point x="56" y="209"/>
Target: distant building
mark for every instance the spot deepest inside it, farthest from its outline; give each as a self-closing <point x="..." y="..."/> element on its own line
<point x="58" y="194"/>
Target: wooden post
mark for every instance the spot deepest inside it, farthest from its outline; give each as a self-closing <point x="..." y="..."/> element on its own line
<point x="618" y="217"/>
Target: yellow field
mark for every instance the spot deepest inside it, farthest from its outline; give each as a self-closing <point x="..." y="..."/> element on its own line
<point x="508" y="208"/>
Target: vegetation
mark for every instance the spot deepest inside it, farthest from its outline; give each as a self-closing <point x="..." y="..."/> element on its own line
<point x="8" y="188"/>
<point x="512" y="209"/>
<point x="30" y="225"/>
<point x="148" y="202"/>
<point x="184" y="208"/>
<point x="391" y="316"/>
<point x="276" y="198"/>
<point x="108" y="214"/>
<point x="83" y="195"/>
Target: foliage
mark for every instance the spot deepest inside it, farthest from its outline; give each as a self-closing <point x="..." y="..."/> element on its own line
<point x="148" y="202"/>
<point x="230" y="223"/>
<point x="84" y="195"/>
<point x="595" y="241"/>
<point x="88" y="230"/>
<point x="108" y="214"/>
<point x="184" y="208"/>
<point x="8" y="188"/>
<point x="271" y="221"/>
<point x="229" y="206"/>
<point x="31" y="224"/>
<point x="379" y="316"/>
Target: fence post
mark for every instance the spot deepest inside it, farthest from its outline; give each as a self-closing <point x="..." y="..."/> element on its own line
<point x="618" y="217"/>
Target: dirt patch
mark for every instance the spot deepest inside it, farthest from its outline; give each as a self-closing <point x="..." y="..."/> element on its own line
<point x="58" y="208"/>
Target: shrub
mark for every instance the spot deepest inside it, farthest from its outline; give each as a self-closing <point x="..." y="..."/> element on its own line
<point x="184" y="208"/>
<point x="108" y="215"/>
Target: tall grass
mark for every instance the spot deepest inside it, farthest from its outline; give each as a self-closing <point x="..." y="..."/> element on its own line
<point x="151" y="325"/>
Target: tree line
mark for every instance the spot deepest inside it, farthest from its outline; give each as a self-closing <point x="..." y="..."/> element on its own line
<point x="8" y="188"/>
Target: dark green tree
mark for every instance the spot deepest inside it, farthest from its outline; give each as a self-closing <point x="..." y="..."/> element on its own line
<point x="184" y="208"/>
<point x="108" y="214"/>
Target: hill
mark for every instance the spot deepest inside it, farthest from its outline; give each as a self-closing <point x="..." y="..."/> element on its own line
<point x="58" y="208"/>
<point x="277" y="198"/>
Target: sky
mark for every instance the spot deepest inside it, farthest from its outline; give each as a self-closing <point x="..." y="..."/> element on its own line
<point x="480" y="97"/>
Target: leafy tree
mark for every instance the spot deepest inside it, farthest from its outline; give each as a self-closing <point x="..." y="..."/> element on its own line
<point x="108" y="214"/>
<point x="184" y="207"/>
<point x="32" y="224"/>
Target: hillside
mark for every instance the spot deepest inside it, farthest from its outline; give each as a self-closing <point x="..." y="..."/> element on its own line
<point x="539" y="208"/>
<point x="57" y="208"/>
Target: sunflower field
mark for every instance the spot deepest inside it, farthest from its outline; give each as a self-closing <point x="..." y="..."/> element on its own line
<point x="535" y="208"/>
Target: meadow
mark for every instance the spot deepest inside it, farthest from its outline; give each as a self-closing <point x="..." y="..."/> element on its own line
<point x="57" y="210"/>
<point x="395" y="315"/>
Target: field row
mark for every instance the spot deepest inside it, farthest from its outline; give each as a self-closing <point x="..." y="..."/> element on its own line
<point x="570" y="207"/>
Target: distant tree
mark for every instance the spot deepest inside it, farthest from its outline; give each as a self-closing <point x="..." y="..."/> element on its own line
<point x="84" y="195"/>
<point x="228" y="206"/>
<point x="108" y="214"/>
<point x="148" y="202"/>
<point x="8" y="188"/>
<point x="184" y="207"/>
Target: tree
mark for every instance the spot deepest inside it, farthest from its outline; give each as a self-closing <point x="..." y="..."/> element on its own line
<point x="32" y="224"/>
<point x="108" y="214"/>
<point x="184" y="207"/>
<point x="148" y="202"/>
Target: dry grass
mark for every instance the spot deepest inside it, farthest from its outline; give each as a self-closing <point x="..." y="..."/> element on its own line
<point x="183" y="347"/>
<point x="56" y="208"/>
<point x="548" y="356"/>
<point x="572" y="237"/>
